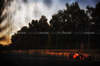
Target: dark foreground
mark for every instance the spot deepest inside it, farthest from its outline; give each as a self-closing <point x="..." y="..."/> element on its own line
<point x="15" y="59"/>
<point x="45" y="62"/>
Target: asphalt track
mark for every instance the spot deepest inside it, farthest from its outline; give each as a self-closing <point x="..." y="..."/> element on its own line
<point x="6" y="60"/>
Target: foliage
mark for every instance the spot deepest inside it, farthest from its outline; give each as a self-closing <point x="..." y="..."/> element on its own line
<point x="41" y="35"/>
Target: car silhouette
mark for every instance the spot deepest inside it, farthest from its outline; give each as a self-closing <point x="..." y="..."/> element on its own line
<point x="77" y="56"/>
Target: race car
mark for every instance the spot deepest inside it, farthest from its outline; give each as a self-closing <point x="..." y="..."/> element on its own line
<point x="77" y="56"/>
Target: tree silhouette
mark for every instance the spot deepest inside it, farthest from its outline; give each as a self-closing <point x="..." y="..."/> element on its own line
<point x="95" y="17"/>
<point x="93" y="13"/>
<point x="77" y="21"/>
<point x="72" y="19"/>
<point x="43" y="27"/>
<point x="31" y="37"/>
<point x="76" y="18"/>
<point x="39" y="34"/>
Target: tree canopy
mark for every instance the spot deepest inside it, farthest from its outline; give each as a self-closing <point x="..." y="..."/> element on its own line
<point x="41" y="35"/>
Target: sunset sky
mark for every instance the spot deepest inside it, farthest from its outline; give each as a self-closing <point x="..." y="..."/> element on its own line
<point x="21" y="12"/>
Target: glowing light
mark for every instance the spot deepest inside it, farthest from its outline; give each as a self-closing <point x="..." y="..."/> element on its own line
<point x="60" y="54"/>
<point x="5" y="42"/>
<point x="83" y="58"/>
<point x="74" y="56"/>
<point x="77" y="54"/>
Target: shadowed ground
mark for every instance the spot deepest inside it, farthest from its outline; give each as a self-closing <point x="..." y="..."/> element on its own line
<point x="36" y="59"/>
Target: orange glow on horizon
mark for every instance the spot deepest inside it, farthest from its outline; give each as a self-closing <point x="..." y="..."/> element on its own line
<point x="6" y="40"/>
<point x="5" y="43"/>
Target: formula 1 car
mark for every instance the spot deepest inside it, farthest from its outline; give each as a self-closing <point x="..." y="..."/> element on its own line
<point x="77" y="56"/>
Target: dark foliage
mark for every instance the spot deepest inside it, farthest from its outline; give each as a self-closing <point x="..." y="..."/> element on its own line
<point x="40" y="34"/>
